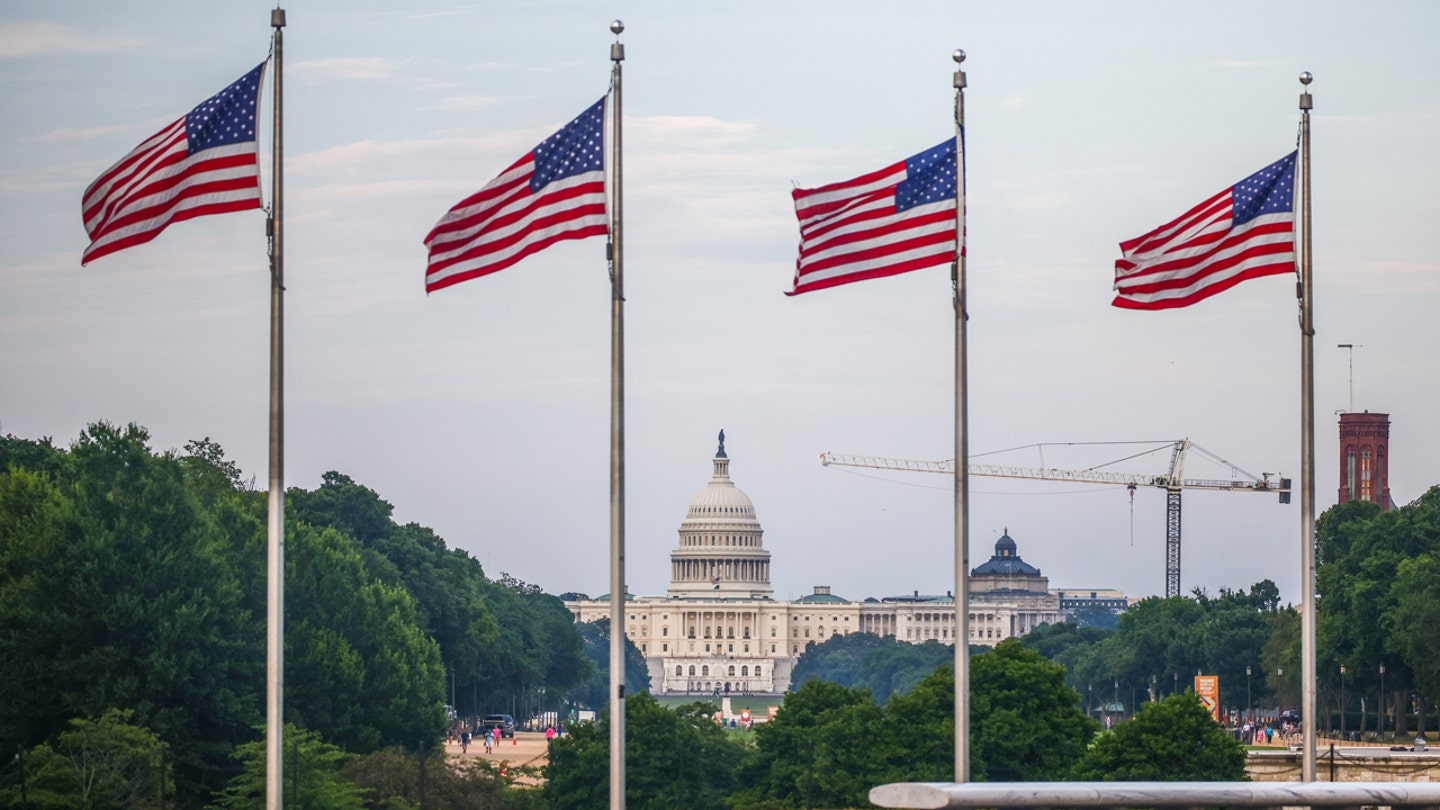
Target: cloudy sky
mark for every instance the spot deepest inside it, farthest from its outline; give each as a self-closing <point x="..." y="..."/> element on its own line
<point x="483" y="410"/>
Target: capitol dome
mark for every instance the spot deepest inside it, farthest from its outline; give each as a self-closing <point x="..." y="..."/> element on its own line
<point x="720" y="553"/>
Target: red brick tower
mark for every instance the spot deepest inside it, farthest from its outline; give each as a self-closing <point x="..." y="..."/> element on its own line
<point x="1365" y="458"/>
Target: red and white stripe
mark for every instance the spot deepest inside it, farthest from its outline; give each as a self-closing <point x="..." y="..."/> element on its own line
<point x="159" y="182"/>
<point x="1199" y="255"/>
<point x="850" y="231"/>
<point x="504" y="222"/>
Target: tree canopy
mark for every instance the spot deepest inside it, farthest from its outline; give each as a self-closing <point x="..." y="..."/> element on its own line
<point x="1172" y="740"/>
<point x="884" y="665"/>
<point x="133" y="581"/>
<point x="673" y="758"/>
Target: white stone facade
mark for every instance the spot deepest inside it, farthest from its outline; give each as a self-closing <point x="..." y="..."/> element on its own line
<point x="718" y="629"/>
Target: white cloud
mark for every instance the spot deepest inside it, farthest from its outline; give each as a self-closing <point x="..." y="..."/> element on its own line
<point x="351" y="67"/>
<point x="81" y="134"/>
<point x="465" y="102"/>
<point x="1247" y="63"/>
<point x="691" y="127"/>
<point x="19" y="40"/>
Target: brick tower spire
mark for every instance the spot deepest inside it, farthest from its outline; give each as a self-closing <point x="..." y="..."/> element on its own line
<point x="1365" y="458"/>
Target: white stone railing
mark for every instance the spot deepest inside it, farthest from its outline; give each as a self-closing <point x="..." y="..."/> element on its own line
<point x="926" y="795"/>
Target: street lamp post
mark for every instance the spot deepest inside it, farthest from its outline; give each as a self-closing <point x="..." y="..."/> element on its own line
<point x="1089" y="694"/>
<point x="1175" y="682"/>
<point x="1154" y="690"/>
<point x="1342" y="701"/>
<point x="1117" y="694"/>
<point x="1381" y="709"/>
<point x="1249" y="704"/>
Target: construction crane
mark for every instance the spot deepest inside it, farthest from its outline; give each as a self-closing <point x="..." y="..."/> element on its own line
<point x="1172" y="482"/>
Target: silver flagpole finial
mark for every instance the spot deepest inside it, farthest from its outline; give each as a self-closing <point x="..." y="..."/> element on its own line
<point x="958" y="56"/>
<point x="1305" y="77"/>
<point x="616" y="27"/>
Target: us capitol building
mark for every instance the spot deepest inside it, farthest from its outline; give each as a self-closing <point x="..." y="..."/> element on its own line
<point x="718" y="627"/>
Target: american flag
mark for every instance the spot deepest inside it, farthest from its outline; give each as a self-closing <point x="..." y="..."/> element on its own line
<point x="1246" y="231"/>
<point x="890" y="221"/>
<point x="204" y="163"/>
<point x="553" y="193"/>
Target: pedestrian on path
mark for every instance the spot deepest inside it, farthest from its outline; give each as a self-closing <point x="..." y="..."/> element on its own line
<point x="488" y="744"/>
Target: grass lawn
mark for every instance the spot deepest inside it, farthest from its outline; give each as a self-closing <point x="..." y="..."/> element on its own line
<point x="757" y="704"/>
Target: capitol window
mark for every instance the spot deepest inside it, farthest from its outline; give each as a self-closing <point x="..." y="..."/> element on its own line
<point x="679" y="670"/>
<point x="692" y="670"/>
<point x="757" y="672"/>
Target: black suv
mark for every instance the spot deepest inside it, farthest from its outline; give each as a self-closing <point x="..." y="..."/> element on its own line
<point x="504" y="722"/>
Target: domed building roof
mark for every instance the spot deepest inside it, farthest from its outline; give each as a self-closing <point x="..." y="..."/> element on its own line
<point x="720" y="553"/>
<point x="1006" y="573"/>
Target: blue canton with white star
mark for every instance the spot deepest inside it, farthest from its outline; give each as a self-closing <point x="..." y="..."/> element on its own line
<point x="577" y="148"/>
<point x="1268" y="191"/>
<point x="929" y="177"/>
<point x="226" y="118"/>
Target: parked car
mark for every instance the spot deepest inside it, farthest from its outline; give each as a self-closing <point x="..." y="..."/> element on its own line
<point x="504" y="722"/>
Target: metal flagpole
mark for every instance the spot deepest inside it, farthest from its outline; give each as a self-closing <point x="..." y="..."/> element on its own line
<point x="275" y="546"/>
<point x="1307" y="451"/>
<point x="962" y="454"/>
<point x="617" y="447"/>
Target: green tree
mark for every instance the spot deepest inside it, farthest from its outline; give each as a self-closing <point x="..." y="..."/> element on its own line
<point x="818" y="751"/>
<point x="1025" y="723"/>
<point x="107" y="762"/>
<point x="884" y="665"/>
<point x="594" y="693"/>
<point x="313" y="775"/>
<point x="117" y="589"/>
<point x="1359" y="551"/>
<point x="361" y="672"/>
<point x="1280" y="659"/>
<point x="1097" y="616"/>
<point x="1065" y="643"/>
<point x="40" y="456"/>
<point x="1173" y="740"/>
<point x="679" y="758"/>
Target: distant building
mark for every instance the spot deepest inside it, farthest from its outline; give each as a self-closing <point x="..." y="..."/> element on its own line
<point x="1365" y="458"/>
<point x="1073" y="599"/>
<point x="718" y="628"/>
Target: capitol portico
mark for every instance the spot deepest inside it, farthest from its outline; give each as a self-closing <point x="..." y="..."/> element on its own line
<point x="719" y="629"/>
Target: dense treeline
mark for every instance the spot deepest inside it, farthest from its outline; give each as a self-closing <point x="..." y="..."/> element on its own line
<point x="830" y="744"/>
<point x="883" y="665"/>
<point x="1377" y="602"/>
<point x="132" y="607"/>
<point x="132" y="612"/>
<point x="1378" y="599"/>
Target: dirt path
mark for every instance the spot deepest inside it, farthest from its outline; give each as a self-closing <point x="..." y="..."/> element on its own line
<point x="525" y="748"/>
